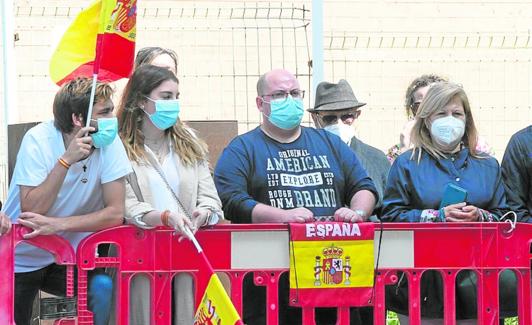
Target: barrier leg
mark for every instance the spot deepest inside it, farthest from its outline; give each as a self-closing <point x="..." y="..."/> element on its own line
<point x="237" y="279"/>
<point x="84" y="315"/>
<point x="7" y="289"/>
<point x="122" y="297"/>
<point x="162" y="295"/>
<point x="271" y="281"/>
<point x="449" y="295"/>
<point x="308" y="316"/>
<point x="343" y="316"/>
<point x="488" y="297"/>
<point x="524" y="308"/>
<point x="414" y="300"/>
<point x="379" y="300"/>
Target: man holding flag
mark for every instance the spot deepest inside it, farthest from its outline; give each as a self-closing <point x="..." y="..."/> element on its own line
<point x="70" y="183"/>
<point x="69" y="175"/>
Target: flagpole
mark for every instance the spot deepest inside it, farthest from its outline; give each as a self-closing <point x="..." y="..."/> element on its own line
<point x="190" y="235"/>
<point x="91" y="102"/>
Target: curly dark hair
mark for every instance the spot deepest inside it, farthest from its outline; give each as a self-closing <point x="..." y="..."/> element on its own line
<point x="420" y="82"/>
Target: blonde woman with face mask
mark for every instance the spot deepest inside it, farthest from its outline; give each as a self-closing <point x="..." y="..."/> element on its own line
<point x="444" y="139"/>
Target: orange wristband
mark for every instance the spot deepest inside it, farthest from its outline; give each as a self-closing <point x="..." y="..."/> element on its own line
<point x="64" y="163"/>
<point x="164" y="218"/>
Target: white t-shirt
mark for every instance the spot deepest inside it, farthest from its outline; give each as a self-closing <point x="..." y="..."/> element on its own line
<point x="41" y="147"/>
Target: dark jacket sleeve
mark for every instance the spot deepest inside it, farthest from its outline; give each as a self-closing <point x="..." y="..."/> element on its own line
<point x="516" y="178"/>
<point x="498" y="204"/>
<point x="231" y="177"/>
<point x="397" y="204"/>
<point x="356" y="177"/>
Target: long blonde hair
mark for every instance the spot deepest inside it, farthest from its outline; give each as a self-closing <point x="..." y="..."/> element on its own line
<point x="190" y="148"/>
<point x="438" y="96"/>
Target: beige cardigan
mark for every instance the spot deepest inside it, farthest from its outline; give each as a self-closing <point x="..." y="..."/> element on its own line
<point x="196" y="190"/>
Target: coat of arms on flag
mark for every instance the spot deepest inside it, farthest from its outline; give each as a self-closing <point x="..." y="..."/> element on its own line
<point x="331" y="264"/>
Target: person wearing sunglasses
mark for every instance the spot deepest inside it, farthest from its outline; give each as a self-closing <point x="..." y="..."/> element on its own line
<point x="335" y="109"/>
<point x="282" y="172"/>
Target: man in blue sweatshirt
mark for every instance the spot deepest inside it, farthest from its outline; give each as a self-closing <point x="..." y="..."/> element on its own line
<point x="282" y="172"/>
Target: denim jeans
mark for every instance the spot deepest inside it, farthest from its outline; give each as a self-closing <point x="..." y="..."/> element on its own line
<point x="52" y="279"/>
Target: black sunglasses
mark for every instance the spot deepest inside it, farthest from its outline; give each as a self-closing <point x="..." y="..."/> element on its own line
<point x="330" y="119"/>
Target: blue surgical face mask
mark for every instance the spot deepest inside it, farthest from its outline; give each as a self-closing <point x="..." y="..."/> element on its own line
<point x="286" y="113"/>
<point x="107" y="130"/>
<point x="166" y="113"/>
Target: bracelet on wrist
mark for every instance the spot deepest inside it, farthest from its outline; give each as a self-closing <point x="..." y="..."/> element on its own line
<point x="63" y="163"/>
<point x="165" y="215"/>
<point x="441" y="214"/>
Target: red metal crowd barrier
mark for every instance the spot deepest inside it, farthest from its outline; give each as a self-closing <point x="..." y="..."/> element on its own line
<point x="486" y="248"/>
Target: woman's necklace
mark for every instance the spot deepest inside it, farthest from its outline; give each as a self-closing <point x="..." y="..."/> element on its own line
<point x="159" y="147"/>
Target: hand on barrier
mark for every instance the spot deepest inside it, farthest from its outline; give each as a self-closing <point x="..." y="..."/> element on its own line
<point x="80" y="146"/>
<point x="179" y="222"/>
<point x="347" y="215"/>
<point x="461" y="212"/>
<point x="5" y="224"/>
<point x="299" y="215"/>
<point x="40" y="224"/>
<point x="200" y="218"/>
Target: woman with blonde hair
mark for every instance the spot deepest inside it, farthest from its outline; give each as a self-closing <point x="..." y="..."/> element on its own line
<point x="445" y="155"/>
<point x="171" y="184"/>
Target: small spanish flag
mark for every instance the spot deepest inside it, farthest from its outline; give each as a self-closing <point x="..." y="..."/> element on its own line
<point x="331" y="264"/>
<point x="100" y="41"/>
<point x="215" y="307"/>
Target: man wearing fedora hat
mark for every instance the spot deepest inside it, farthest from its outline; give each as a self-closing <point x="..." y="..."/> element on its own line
<point x="335" y="109"/>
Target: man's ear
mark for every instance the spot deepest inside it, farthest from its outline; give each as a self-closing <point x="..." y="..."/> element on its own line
<point x="258" y="101"/>
<point x="77" y="120"/>
<point x="357" y="114"/>
<point x="316" y="120"/>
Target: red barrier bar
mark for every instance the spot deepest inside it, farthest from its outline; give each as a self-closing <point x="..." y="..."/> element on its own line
<point x="57" y="246"/>
<point x="486" y="248"/>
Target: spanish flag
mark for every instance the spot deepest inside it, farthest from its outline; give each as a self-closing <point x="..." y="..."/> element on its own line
<point x="100" y="41"/>
<point x="215" y="307"/>
<point x="331" y="264"/>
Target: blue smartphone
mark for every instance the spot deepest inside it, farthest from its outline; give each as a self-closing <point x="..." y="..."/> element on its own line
<point x="453" y="194"/>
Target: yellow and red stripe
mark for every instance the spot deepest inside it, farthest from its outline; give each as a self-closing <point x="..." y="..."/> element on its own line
<point x="101" y="40"/>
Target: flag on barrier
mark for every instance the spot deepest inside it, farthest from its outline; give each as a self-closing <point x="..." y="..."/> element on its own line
<point x="100" y="41"/>
<point x="215" y="306"/>
<point x="331" y="264"/>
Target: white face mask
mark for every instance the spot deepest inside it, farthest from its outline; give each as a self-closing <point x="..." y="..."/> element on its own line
<point x="447" y="131"/>
<point x="344" y="131"/>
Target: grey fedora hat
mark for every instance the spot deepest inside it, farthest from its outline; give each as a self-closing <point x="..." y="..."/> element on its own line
<point x="334" y="97"/>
